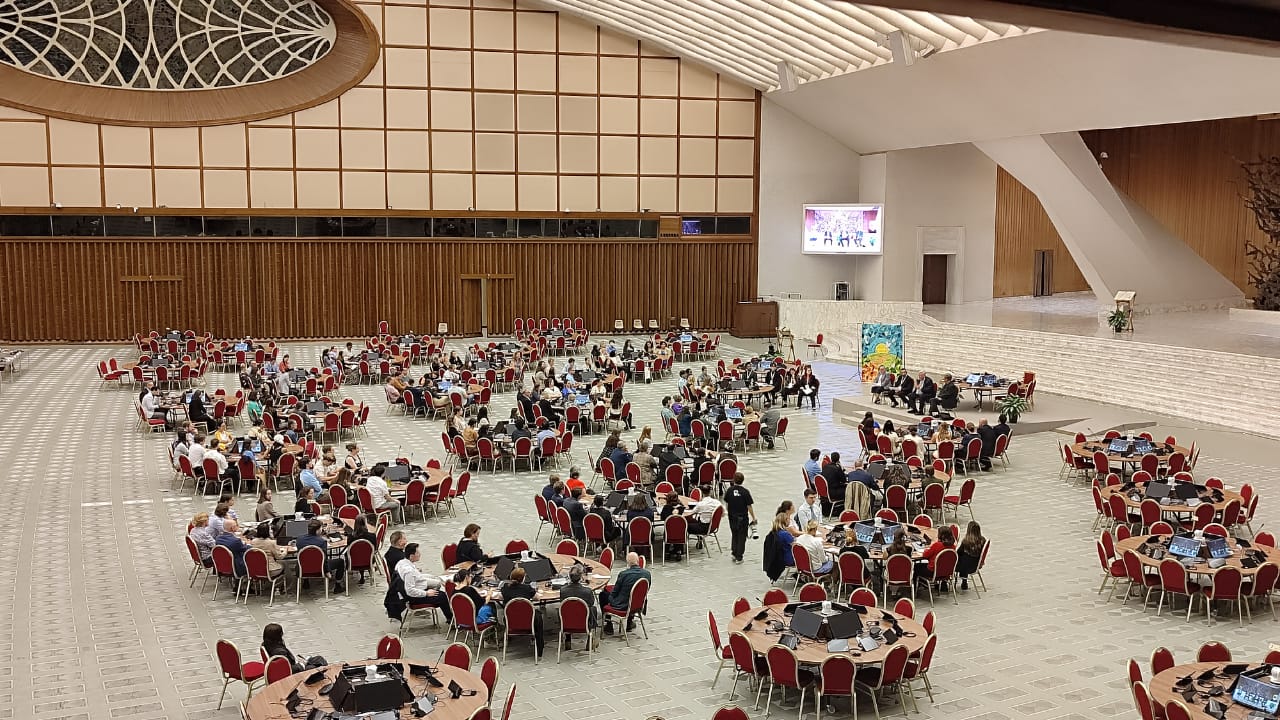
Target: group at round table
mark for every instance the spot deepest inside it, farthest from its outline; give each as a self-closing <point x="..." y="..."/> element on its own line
<point x="427" y="683"/>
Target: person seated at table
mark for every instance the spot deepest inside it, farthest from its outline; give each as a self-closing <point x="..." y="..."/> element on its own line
<point x="616" y="404"/>
<point x="204" y="537"/>
<point x="230" y="539"/>
<point x="273" y="645"/>
<point x="263" y="541"/>
<point x="813" y="466"/>
<point x="859" y="474"/>
<point x="524" y="400"/>
<point x="637" y="507"/>
<point x="335" y="567"/>
<point x="575" y="479"/>
<point x="948" y="397"/>
<point x="217" y="521"/>
<point x="359" y="530"/>
<point x="988" y="435"/>
<point x="647" y="462"/>
<point x="307" y="478"/>
<point x="941" y="434"/>
<point x="555" y="488"/>
<point x="305" y="497"/>
<point x="518" y="428"/>
<point x="470" y="434"/>
<point x="777" y="547"/>
<point x="684" y="421"/>
<point x="285" y="365"/>
<point x="469" y="549"/>
<point x="548" y="407"/>
<point x="1002" y="428"/>
<point x="265" y="510"/>
<point x="353" y="461"/>
<point x="611" y="530"/>
<point x="969" y="554"/>
<point x="516" y="587"/>
<point x="292" y="432"/>
<point x="394" y="390"/>
<point x="702" y="513"/>
<point x="254" y="407"/>
<point x="151" y="405"/>
<point x="672" y="506"/>
<point x="269" y="366"/>
<point x="962" y="450"/>
<point x="895" y="440"/>
<point x="620" y="456"/>
<point x="327" y="466"/>
<point x="924" y="570"/>
<point x="395" y="553"/>
<point x="789" y="386"/>
<point x="810" y="541"/>
<point x="576" y="589"/>
<point x="911" y="435"/>
<point x="836" y="478"/>
<point x="379" y="491"/>
<point x="197" y="412"/>
<point x="577" y="513"/>
<point x="666" y="413"/>
<point x="810" y="509"/>
<point x="280" y="384"/>
<point x="619" y="596"/>
<point x="179" y="448"/>
<point x="222" y="437"/>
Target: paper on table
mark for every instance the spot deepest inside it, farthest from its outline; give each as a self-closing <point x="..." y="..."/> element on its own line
<point x="600" y="577"/>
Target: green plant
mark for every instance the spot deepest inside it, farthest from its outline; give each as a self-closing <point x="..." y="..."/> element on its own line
<point x="1013" y="406"/>
<point x="1118" y="319"/>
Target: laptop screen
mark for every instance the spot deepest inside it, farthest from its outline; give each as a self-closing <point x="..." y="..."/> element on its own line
<point x="1118" y="445"/>
<point x="1185" y="491"/>
<point x="1252" y="691"/>
<point x="1184" y="546"/>
<point x="738" y="385"/>
<point x="1158" y="490"/>
<point x="315" y="406"/>
<point x="445" y="385"/>
<point x="1218" y="547"/>
<point x="733" y="413"/>
<point x="889" y="531"/>
<point x="864" y="532"/>
<point x="806" y="622"/>
<point x="845" y="625"/>
<point x="294" y="529"/>
<point x="990" y="379"/>
<point x="241" y="347"/>
<point x="583" y="399"/>
<point x="924" y="429"/>
<point x="396" y="473"/>
<point x="1143" y="446"/>
<point x="538" y="569"/>
<point x="973" y="378"/>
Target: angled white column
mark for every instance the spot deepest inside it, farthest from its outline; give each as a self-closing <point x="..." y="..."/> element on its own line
<point x="1116" y="244"/>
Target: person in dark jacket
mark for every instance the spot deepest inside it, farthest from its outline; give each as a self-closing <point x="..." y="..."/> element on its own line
<point x="836" y="479"/>
<point x="926" y="392"/>
<point x="273" y="645"/>
<point x="611" y="530"/>
<point x="516" y="587"/>
<point x="469" y="546"/>
<point x="906" y="386"/>
<point x="619" y="596"/>
<point x="577" y="513"/>
<point x="948" y="397"/>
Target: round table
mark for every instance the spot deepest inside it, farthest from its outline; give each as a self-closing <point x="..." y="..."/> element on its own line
<point x="1177" y="508"/>
<point x="1087" y="448"/>
<point x="1162" y="690"/>
<point x="812" y="652"/>
<point x="1133" y="543"/>
<point x="926" y="536"/>
<point x="598" y="578"/>
<point x="269" y="702"/>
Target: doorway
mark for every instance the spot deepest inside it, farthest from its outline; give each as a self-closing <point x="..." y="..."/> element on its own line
<point x="1042" y="282"/>
<point x="933" y="285"/>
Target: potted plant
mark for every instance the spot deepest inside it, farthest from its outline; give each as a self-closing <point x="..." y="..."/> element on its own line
<point x="1012" y="406"/>
<point x="1118" y="320"/>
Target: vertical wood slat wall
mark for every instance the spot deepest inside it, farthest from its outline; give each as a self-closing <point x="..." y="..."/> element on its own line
<point x="79" y="289"/>
<point x="1187" y="175"/>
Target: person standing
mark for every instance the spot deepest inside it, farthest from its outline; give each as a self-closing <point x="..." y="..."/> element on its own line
<point x="741" y="510"/>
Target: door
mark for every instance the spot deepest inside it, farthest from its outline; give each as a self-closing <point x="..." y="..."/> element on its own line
<point x="933" y="286"/>
<point x="1042" y="282"/>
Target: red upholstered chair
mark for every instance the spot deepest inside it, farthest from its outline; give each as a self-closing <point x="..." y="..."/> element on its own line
<point x="745" y="663"/>
<point x="311" y="566"/>
<point x="457" y="655"/>
<point x="724" y="654"/>
<point x="640" y="535"/>
<point x="849" y="516"/>
<point x="515" y="546"/>
<point x="906" y="607"/>
<point x="1173" y="581"/>
<point x="835" y="679"/>
<point x="489" y="676"/>
<point x="278" y="668"/>
<point x="812" y="592"/>
<point x="776" y="596"/>
<point x="864" y="597"/>
<point x="1227" y="585"/>
<point x="449" y="555"/>
<point x="519" y="615"/>
<point x="929" y="622"/>
<point x="1113" y="569"/>
<point x="741" y="605"/>
<point x="1263" y="586"/>
<point x="575" y="618"/>
<point x="965" y="498"/>
<point x="918" y="668"/>
<point x="567" y="546"/>
<point x="1138" y="577"/>
<point x="635" y="605"/>
<point x="1161" y="660"/>
<point x="852" y="570"/>
<point x="258" y="569"/>
<point x="732" y="712"/>
<point x="390" y="648"/>
<point x="362" y="557"/>
<point x="899" y="572"/>
<point x="785" y="672"/>
<point x="887" y="674"/>
<point x="677" y="534"/>
<point x="234" y="670"/>
<point x="1213" y="651"/>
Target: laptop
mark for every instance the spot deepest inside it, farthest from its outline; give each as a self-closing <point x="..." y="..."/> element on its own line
<point x="1158" y="490"/>
<point x="865" y="532"/>
<point x="806" y="623"/>
<point x="294" y="529"/>
<point x="397" y="473"/>
<point x="538" y="569"/>
<point x="1143" y="445"/>
<point x="1185" y="491"/>
<point x="445" y="385"/>
<point x="1118" y="445"/>
<point x="1253" y="690"/>
<point x="615" y="500"/>
<point x="733" y="413"/>
<point x="888" y="531"/>
<point x="583" y="400"/>
<point x="1218" y="547"/>
<point x="1184" y="546"/>
<point x="924" y="429"/>
<point x="315" y="406"/>
<point x="876" y="469"/>
<point x="990" y="379"/>
<point x="680" y="451"/>
<point x="845" y="625"/>
<point x="738" y="385"/>
<point x="159" y="360"/>
<point x="686" y="338"/>
<point x="241" y="347"/>
<point x="973" y="379"/>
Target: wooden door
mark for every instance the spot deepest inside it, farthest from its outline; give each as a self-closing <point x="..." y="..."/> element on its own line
<point x="500" y="304"/>
<point x="464" y="319"/>
<point x="933" y="286"/>
<point x="1042" y="282"/>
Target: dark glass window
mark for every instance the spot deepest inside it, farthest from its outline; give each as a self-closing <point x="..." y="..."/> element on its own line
<point x="319" y="227"/>
<point x="409" y="227"/>
<point x="25" y="225"/>
<point x="579" y="228"/>
<point x="529" y="227"/>
<point x="130" y="226"/>
<point x="454" y="227"/>
<point x="79" y="225"/>
<point x="619" y="228"/>
<point x="226" y="226"/>
<point x="495" y="227"/>
<point x="273" y="226"/>
<point x="364" y="227"/>
<point x="648" y="228"/>
<point x="733" y="226"/>
<point x="694" y="225"/>
<point x="179" y="225"/>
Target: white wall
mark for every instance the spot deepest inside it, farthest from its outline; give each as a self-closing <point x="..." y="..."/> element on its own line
<point x="951" y="186"/>
<point x="799" y="164"/>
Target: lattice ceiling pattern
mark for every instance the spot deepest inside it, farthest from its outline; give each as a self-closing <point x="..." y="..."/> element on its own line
<point x="164" y="44"/>
<point x="748" y="38"/>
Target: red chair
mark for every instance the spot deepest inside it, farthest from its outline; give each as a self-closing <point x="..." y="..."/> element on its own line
<point x="640" y="536"/>
<point x="1173" y="580"/>
<point x="234" y="670"/>
<point x="812" y="592"/>
<point x="888" y="674"/>
<point x="464" y="618"/>
<point x="1138" y="578"/>
<point x="865" y="597"/>
<point x="677" y="534"/>
<point x="575" y="620"/>
<point x="776" y="596"/>
<point x="895" y="498"/>
<point x="929" y="622"/>
<point x="390" y="648"/>
<point x="887" y="514"/>
<point x="515" y="546"/>
<point x="278" y="668"/>
<point x="567" y="546"/>
<point x="965" y="498"/>
<point x="785" y="672"/>
<point x="311" y="566"/>
<point x="806" y="568"/>
<point x="489" y="676"/>
<point x="746" y="662"/>
<point x="1263" y="586"/>
<point x="362" y="556"/>
<point x="1213" y="651"/>
<point x="1227" y="585"/>
<point x="919" y="669"/>
<point x="634" y="609"/>
<point x="519" y="615"/>
<point x="449" y="555"/>
<point x="730" y="712"/>
<point x="905" y="607"/>
<point x="1113" y="569"/>
<point x="852" y="570"/>
<point x="257" y="568"/>
<point x="457" y="655"/>
<point x="724" y="654"/>
<point x="849" y="516"/>
<point x="1161" y="660"/>
<point x="899" y="572"/>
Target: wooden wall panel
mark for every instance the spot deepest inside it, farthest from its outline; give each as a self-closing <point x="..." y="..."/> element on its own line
<point x="77" y="289"/>
<point x="1186" y="175"/>
<point x="1022" y="227"/>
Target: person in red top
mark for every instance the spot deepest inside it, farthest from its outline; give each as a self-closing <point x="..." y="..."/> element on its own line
<point x="946" y="539"/>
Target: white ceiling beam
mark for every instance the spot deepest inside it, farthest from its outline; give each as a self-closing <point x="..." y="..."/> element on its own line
<point x="895" y="20"/>
<point x="836" y="46"/>
<point x="936" y="24"/>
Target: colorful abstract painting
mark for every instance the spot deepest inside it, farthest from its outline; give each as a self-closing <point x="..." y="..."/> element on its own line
<point x="882" y="347"/>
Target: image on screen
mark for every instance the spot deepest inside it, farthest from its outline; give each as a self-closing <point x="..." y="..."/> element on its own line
<point x="842" y="229"/>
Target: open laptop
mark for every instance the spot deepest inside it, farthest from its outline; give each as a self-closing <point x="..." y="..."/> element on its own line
<point x="583" y="399"/>
<point x="865" y="532"/>
<point x="1185" y="491"/>
<point x="1184" y="546"/>
<point x="990" y="379"/>
<point x="315" y="406"/>
<point x="1158" y="490"/>
<point x="396" y="473"/>
<point x="1143" y="446"/>
<point x="242" y="347"/>
<point x="1118" y="445"/>
<point x="738" y="385"/>
<point x="615" y="500"/>
<point x="733" y="413"/>
<point x="294" y="529"/>
<point x="1252" y="689"/>
<point x="876" y="469"/>
<point x="845" y="625"/>
<point x="806" y="623"/>
<point x="973" y="378"/>
<point x="1218" y="547"/>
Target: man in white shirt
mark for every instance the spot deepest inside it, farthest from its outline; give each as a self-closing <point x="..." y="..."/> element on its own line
<point x="809" y="540"/>
<point x="421" y="588"/>
<point x="700" y="515"/>
<point x="216" y="455"/>
<point x="810" y="510"/>
<point x="281" y="384"/>
<point x="195" y="453"/>
<point x="379" y="491"/>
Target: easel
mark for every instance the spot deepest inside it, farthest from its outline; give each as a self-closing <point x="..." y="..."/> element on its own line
<point x="790" y="345"/>
<point x="1124" y="303"/>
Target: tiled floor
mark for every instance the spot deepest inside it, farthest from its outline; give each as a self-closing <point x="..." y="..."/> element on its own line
<point x="97" y="620"/>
